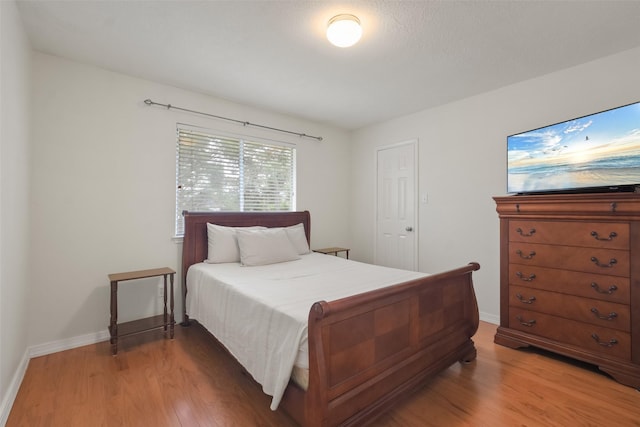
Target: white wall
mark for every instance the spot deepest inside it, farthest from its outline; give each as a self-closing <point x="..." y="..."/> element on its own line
<point x="104" y="188"/>
<point x="462" y="162"/>
<point x="15" y="54"/>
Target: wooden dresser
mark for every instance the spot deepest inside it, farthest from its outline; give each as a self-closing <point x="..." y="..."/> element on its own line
<point x="570" y="278"/>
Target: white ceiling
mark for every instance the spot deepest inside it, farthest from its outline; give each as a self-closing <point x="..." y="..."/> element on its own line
<point x="273" y="54"/>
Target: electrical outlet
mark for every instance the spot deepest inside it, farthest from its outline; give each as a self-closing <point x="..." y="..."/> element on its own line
<point x="160" y="290"/>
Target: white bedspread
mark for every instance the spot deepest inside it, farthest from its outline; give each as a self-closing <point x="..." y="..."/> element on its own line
<point x="260" y="313"/>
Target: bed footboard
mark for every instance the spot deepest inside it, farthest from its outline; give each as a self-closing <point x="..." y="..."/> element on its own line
<point x="368" y="351"/>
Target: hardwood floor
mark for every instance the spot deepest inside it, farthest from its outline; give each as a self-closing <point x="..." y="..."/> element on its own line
<point x="191" y="381"/>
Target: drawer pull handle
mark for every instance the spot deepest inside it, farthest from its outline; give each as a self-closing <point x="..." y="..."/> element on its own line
<point x="524" y="300"/>
<point x="612" y="262"/>
<point x="611" y="236"/>
<point x="526" y="279"/>
<point x="529" y="324"/>
<point x="530" y="256"/>
<point x="523" y="234"/>
<point x="609" y="344"/>
<point x="609" y="316"/>
<point x="611" y="289"/>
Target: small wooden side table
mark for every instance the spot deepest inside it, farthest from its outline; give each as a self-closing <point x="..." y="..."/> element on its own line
<point x="165" y="320"/>
<point x="333" y="251"/>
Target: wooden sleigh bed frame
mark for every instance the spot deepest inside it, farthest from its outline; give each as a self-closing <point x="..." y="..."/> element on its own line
<point x="366" y="351"/>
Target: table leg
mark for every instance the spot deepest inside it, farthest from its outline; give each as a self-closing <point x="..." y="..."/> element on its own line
<point x="113" y="325"/>
<point x="172" y="318"/>
<point x="165" y="303"/>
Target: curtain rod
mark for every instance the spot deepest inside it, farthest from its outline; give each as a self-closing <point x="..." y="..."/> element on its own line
<point x="169" y="106"/>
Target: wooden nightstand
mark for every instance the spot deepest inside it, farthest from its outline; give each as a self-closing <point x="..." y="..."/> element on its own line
<point x="165" y="320"/>
<point x="333" y="251"/>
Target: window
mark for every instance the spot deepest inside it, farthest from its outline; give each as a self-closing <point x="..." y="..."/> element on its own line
<point x="221" y="173"/>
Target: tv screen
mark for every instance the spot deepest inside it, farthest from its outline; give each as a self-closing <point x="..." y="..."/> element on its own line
<point x="598" y="152"/>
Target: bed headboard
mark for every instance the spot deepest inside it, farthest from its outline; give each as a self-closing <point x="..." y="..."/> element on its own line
<point x="194" y="246"/>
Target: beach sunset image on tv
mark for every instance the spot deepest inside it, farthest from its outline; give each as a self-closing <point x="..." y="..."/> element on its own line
<point x="601" y="150"/>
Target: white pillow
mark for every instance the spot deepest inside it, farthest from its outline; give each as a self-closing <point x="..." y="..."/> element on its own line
<point x="298" y="238"/>
<point x="261" y="247"/>
<point x="223" y="243"/>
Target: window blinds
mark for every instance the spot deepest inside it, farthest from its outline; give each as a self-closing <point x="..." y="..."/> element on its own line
<point x="219" y="173"/>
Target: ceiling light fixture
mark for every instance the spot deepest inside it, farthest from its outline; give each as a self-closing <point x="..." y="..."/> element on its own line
<point x="344" y="30"/>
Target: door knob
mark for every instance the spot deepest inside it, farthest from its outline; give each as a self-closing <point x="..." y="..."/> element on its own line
<point x="409" y="228"/>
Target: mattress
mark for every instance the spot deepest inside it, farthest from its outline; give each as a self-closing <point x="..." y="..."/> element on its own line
<point x="260" y="313"/>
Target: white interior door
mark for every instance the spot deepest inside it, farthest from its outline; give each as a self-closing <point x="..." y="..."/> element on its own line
<point x="396" y="211"/>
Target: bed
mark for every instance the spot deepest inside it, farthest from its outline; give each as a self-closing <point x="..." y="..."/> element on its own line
<point x="365" y="351"/>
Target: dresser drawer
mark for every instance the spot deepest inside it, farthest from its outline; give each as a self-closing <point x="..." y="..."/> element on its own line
<point x="595" y="312"/>
<point x="612" y="262"/>
<point x="602" y="341"/>
<point x="590" y="285"/>
<point x="612" y="235"/>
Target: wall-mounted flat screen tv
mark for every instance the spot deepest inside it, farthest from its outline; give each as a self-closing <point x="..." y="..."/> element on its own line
<point x="598" y="152"/>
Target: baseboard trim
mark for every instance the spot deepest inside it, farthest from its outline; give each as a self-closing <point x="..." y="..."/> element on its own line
<point x="490" y="318"/>
<point x="12" y="390"/>
<point x="68" y="343"/>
